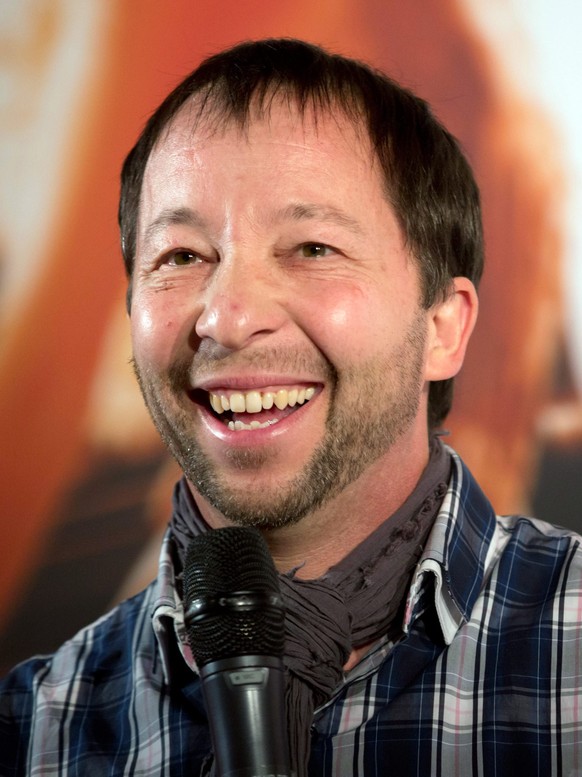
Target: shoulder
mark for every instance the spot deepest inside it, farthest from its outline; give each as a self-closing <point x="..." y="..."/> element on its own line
<point x="98" y="650"/>
<point x="471" y="517"/>
<point x="90" y="679"/>
<point x="531" y="549"/>
<point x="537" y="531"/>
<point x="509" y="562"/>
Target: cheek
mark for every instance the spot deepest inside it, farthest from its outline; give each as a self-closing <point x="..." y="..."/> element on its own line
<point x="142" y="323"/>
<point x="355" y="326"/>
<point x="342" y="324"/>
<point x="340" y="318"/>
<point x="154" y="330"/>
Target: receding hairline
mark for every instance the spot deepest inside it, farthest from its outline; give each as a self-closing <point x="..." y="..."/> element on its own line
<point x="208" y="109"/>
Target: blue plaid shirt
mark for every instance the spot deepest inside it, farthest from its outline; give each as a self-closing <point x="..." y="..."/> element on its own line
<point x="485" y="681"/>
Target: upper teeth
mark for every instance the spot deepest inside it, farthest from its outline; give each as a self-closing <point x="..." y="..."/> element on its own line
<point x="255" y="401"/>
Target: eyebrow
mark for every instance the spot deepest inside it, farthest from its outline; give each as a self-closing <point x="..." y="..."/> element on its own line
<point x="173" y="217"/>
<point x="294" y="212"/>
<point x="328" y="213"/>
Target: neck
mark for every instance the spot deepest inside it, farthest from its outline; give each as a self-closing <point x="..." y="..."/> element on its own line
<point x="326" y="535"/>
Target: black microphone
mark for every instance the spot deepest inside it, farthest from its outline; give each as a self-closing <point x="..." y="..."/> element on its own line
<point x="236" y="629"/>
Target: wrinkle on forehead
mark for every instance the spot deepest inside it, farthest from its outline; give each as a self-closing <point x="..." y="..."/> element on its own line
<point x="207" y="115"/>
<point x="278" y="122"/>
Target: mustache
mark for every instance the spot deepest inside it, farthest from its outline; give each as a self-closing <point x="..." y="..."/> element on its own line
<point x="213" y="360"/>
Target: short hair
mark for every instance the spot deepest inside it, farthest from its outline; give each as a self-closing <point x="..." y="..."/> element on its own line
<point x="427" y="179"/>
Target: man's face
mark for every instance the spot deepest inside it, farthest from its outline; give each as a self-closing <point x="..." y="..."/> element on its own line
<point x="271" y="279"/>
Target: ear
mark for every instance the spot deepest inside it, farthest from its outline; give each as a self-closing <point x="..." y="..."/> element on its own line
<point x="451" y="323"/>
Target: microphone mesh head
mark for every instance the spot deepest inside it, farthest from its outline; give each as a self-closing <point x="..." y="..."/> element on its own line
<point x="224" y="562"/>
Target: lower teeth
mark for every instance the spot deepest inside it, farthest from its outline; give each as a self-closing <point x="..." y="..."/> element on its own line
<point x="238" y="426"/>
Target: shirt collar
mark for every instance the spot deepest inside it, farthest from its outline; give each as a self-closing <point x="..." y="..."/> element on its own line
<point x="456" y="555"/>
<point x="455" y="558"/>
<point x="168" y="614"/>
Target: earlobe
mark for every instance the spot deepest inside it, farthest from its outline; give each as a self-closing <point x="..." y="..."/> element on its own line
<point x="450" y="327"/>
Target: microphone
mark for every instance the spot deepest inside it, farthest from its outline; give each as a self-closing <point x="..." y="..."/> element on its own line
<point x="236" y="628"/>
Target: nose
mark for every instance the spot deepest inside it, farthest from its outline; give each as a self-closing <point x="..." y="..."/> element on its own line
<point x="239" y="304"/>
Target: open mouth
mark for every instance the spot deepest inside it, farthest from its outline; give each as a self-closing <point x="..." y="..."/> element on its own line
<point x="244" y="411"/>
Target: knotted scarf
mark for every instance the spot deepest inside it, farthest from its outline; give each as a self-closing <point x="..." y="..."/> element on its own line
<point x="356" y="602"/>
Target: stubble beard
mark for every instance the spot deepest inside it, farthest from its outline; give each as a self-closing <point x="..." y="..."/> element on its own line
<point x="370" y="409"/>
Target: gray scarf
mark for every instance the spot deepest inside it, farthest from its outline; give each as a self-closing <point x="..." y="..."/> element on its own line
<point x="356" y="602"/>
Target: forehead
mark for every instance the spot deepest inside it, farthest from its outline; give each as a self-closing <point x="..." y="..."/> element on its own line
<point x="233" y="181"/>
<point x="280" y="166"/>
<point x="327" y="133"/>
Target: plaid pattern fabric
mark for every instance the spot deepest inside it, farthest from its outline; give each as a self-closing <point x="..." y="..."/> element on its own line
<point x="486" y="681"/>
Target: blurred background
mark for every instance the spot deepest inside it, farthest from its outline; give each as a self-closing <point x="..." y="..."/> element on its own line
<point x="84" y="481"/>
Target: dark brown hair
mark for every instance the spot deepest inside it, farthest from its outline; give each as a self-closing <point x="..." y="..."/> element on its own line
<point x="428" y="180"/>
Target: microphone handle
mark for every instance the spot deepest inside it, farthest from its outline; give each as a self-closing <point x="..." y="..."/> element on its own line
<point x="245" y="702"/>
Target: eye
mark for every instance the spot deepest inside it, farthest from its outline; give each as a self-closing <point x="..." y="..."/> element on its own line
<point x="182" y="258"/>
<point x="315" y="250"/>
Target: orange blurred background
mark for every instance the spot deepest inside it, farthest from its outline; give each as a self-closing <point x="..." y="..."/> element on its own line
<point x="85" y="483"/>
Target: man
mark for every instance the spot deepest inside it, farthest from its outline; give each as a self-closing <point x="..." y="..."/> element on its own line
<point x="303" y="242"/>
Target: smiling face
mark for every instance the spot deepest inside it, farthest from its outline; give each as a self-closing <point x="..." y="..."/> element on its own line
<point x="277" y="332"/>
